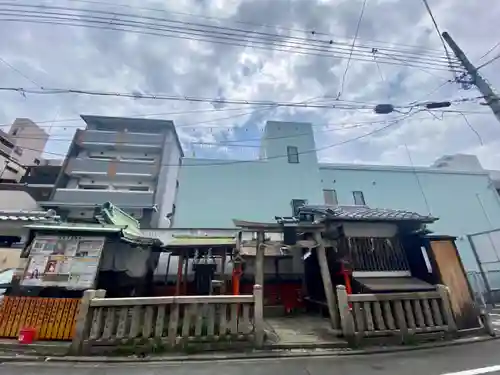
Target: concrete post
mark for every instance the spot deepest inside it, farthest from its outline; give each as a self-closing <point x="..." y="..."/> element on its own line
<point x="83" y="321"/>
<point x="444" y="293"/>
<point x="258" y="315"/>
<point x="346" y="318"/>
<point x="327" y="280"/>
<point x="259" y="259"/>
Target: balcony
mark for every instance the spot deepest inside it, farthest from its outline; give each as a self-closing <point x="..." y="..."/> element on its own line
<point x="94" y="139"/>
<point x="122" y="199"/>
<point x="90" y="166"/>
<point x="5" y="150"/>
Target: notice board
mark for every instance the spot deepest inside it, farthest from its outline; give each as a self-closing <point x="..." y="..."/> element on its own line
<point x="69" y="262"/>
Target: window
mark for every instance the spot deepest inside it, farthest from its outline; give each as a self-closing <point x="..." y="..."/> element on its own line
<point x="139" y="159"/>
<point x="359" y="198"/>
<point x="10" y="169"/>
<point x="6" y="142"/>
<point x="330" y="197"/>
<point x="93" y="187"/>
<point x="101" y="157"/>
<point x="15" y="131"/>
<point x="293" y="154"/>
<point x="135" y="188"/>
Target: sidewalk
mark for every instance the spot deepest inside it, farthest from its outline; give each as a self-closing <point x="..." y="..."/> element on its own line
<point x="254" y="354"/>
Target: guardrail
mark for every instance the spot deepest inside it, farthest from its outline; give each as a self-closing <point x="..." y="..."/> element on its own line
<point x="171" y="320"/>
<point x="405" y="314"/>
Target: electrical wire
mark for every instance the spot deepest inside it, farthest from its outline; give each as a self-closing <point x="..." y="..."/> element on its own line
<point x="243" y="33"/>
<point x="264" y="44"/>
<point x="304" y="51"/>
<point x="337" y="127"/>
<point x="489" y="51"/>
<point x="19" y="72"/>
<point x="488" y="62"/>
<point x="241" y="22"/>
<point x="363" y="6"/>
<point x="132" y="95"/>
<point x="426" y="3"/>
<point x="246" y="32"/>
<point x="233" y="162"/>
<point x="146" y="116"/>
<point x="59" y="91"/>
<point x="480" y="139"/>
<point x="326" y="128"/>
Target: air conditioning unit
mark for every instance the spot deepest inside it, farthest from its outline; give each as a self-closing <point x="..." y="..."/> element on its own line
<point x="296" y="204"/>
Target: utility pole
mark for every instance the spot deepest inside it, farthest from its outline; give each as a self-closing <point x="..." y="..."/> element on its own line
<point x="492" y="99"/>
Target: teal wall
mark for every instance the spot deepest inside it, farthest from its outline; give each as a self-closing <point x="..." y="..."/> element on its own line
<point x="213" y="192"/>
<point x="465" y="203"/>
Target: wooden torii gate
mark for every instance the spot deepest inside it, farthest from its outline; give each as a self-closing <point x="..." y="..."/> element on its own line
<point x="316" y="230"/>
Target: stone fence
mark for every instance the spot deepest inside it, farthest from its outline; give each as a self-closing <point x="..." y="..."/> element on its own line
<point x="168" y="321"/>
<point x="395" y="314"/>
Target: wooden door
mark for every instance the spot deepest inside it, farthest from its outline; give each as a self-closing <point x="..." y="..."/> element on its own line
<point x="451" y="273"/>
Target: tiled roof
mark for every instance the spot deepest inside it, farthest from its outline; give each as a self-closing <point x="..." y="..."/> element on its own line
<point x="110" y="220"/>
<point x="364" y="213"/>
<point x="131" y="232"/>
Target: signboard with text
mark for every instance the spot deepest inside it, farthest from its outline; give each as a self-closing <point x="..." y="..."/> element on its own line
<point x="69" y="262"/>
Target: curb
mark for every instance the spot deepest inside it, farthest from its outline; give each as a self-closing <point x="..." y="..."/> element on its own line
<point x="291" y="353"/>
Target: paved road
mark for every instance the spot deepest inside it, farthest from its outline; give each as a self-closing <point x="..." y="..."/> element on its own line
<point x="479" y="357"/>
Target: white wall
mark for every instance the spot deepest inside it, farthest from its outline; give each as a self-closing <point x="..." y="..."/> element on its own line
<point x="30" y="138"/>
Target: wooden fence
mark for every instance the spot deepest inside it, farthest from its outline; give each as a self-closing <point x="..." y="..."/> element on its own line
<point x="172" y="320"/>
<point x="405" y="314"/>
<point x="53" y="318"/>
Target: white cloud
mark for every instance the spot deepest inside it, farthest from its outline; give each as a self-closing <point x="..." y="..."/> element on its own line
<point x="72" y="57"/>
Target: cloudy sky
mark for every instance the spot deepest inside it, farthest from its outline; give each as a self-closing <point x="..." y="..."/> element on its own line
<point x="38" y="55"/>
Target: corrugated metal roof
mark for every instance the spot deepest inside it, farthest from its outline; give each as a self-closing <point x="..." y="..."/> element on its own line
<point x="83" y="227"/>
<point x="202" y="241"/>
<point x="111" y="220"/>
<point x="29" y="216"/>
<point x="364" y="213"/>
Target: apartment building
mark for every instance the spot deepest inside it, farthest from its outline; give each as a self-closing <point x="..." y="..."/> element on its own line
<point x="23" y="145"/>
<point x="130" y="162"/>
<point x="30" y="140"/>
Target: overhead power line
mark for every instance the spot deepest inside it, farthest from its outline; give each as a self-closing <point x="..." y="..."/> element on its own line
<point x="488" y="62"/>
<point x="266" y="46"/>
<point x="19" y="72"/>
<point x="434" y="22"/>
<point x="137" y="95"/>
<point x="232" y="162"/>
<point x="249" y="23"/>
<point x="489" y="51"/>
<point x="181" y="24"/>
<point x="112" y="21"/>
<point x="363" y="6"/>
<point x="285" y="43"/>
<point x="324" y="128"/>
